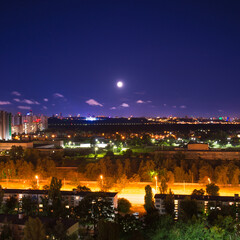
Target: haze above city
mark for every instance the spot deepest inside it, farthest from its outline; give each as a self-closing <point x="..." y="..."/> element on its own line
<point x="173" y="58"/>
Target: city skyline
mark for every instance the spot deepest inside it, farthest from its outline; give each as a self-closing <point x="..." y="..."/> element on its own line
<point x="174" y="58"/>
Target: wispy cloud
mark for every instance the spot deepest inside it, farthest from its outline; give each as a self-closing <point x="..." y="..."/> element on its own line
<point x="113" y="108"/>
<point x="16" y="100"/>
<point x="45" y="99"/>
<point x="140" y="101"/>
<point x="93" y="102"/>
<point x="4" y="103"/>
<point x="16" y="93"/>
<point x="30" y="102"/>
<point x="174" y="106"/>
<point x="124" y="105"/>
<point x="164" y="104"/>
<point x="58" y="95"/>
<point x="183" y="106"/>
<point x="44" y="107"/>
<point x="24" y="107"/>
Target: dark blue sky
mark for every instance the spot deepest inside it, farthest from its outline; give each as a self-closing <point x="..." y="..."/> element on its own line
<point x="177" y="57"/>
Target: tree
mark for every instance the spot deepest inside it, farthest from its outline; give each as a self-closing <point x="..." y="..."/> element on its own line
<point x="128" y="153"/>
<point x="31" y="155"/>
<point x="169" y="204"/>
<point x="108" y="230"/>
<point x="205" y="172"/>
<point x="189" y="231"/>
<point x="83" y="189"/>
<point x="24" y="169"/>
<point x="58" y="231"/>
<point x="124" y="205"/>
<point x="93" y="207"/>
<point x="188" y="209"/>
<point x="105" y="184"/>
<point x="10" y="205"/>
<point x="235" y="177"/>
<point x="16" y="152"/>
<point x="55" y="187"/>
<point x="119" y="168"/>
<point x="179" y="174"/>
<point x="127" y="168"/>
<point x="129" y="223"/>
<point x="212" y="189"/>
<point x="149" y="204"/>
<point x="1" y="196"/>
<point x="29" y="206"/>
<point x="221" y="175"/>
<point x="34" y="230"/>
<point x="163" y="185"/>
<point x="109" y="153"/>
<point x="122" y="182"/>
<point x="199" y="192"/>
<point x="6" y="232"/>
<point x="54" y="195"/>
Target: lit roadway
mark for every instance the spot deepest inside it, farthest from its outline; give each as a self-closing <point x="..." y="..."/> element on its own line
<point x="134" y="192"/>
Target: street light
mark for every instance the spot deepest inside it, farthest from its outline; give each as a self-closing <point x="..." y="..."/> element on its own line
<point x="101" y="177"/>
<point x="156" y="182"/>
<point x="93" y="216"/>
<point x="37" y="180"/>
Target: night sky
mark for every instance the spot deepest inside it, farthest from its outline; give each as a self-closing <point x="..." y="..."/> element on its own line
<point x="174" y="57"/>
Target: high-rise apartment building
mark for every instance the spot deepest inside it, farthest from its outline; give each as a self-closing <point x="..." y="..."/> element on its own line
<point x="5" y="125"/>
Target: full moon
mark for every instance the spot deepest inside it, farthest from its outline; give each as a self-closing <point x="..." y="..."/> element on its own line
<point x="119" y="84"/>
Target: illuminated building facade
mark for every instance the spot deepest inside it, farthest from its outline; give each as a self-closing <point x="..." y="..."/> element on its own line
<point x="5" y="126"/>
<point x="203" y="202"/>
<point x="28" y="123"/>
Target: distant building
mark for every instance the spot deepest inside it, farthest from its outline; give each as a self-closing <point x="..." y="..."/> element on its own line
<point x="203" y="202"/>
<point x="71" y="197"/>
<point x="8" y="145"/>
<point x="28" y="123"/>
<point x="5" y="126"/>
<point x="198" y="146"/>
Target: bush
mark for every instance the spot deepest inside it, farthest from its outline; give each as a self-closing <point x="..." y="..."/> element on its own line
<point x="124" y="205"/>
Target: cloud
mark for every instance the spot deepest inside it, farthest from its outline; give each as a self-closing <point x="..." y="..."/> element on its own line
<point x="45" y="100"/>
<point x="183" y="106"/>
<point x="30" y="102"/>
<point x="16" y="100"/>
<point x="140" y="101"/>
<point x="124" y="105"/>
<point x="16" y="93"/>
<point x="58" y="95"/>
<point x="174" y="106"/>
<point x="93" y="102"/>
<point x="24" y="107"/>
<point x="44" y="107"/>
<point x="113" y="108"/>
<point x="220" y="110"/>
<point x="4" y="103"/>
<point x="149" y="101"/>
<point x="164" y="104"/>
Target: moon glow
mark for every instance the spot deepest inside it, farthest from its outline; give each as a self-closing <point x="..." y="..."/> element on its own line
<point x="119" y="84"/>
